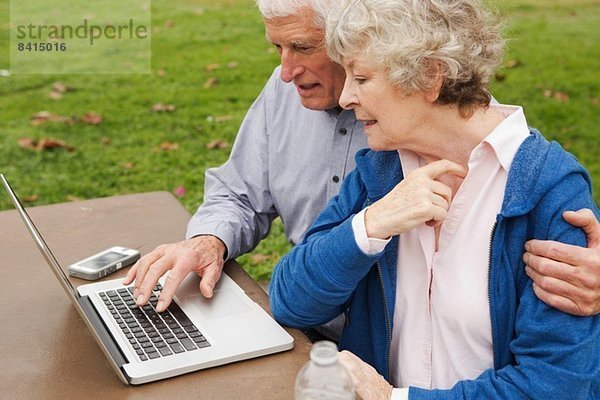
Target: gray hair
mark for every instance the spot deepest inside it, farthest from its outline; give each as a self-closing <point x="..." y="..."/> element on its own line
<point x="284" y="8"/>
<point x="408" y="37"/>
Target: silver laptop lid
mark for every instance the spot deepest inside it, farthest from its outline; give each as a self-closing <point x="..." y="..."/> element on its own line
<point x="41" y="244"/>
<point x="82" y="304"/>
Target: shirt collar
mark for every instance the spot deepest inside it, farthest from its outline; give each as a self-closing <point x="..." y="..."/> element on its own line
<point x="335" y="111"/>
<point x="506" y="138"/>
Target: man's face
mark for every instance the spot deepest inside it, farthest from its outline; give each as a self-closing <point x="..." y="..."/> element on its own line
<point x="318" y="80"/>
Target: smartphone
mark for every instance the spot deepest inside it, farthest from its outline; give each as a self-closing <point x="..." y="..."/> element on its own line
<point x="104" y="263"/>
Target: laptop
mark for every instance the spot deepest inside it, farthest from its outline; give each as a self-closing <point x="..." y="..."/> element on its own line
<point x="194" y="333"/>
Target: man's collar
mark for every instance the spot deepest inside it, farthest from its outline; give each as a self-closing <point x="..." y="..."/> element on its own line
<point x="335" y="111"/>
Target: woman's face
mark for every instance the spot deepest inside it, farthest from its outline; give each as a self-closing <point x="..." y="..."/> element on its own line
<point x="391" y="118"/>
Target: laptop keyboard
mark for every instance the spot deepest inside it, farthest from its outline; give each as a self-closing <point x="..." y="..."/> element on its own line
<point x="152" y="334"/>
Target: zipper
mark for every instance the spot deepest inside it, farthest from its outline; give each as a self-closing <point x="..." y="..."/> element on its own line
<point x="387" y="320"/>
<point x="387" y="312"/>
<point x="490" y="288"/>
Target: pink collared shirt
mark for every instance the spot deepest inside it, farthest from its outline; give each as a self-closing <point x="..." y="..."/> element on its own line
<point x="442" y="329"/>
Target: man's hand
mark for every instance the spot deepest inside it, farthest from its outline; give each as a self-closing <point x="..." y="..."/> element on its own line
<point x="568" y="277"/>
<point x="201" y="254"/>
<point x="369" y="385"/>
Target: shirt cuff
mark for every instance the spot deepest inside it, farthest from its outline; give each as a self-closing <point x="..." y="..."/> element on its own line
<point x="369" y="246"/>
<point x="399" y="394"/>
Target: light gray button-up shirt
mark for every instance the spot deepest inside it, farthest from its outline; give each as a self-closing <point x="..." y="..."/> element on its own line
<point x="287" y="161"/>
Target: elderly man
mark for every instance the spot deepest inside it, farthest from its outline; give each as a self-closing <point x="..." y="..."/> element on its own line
<point x="291" y="154"/>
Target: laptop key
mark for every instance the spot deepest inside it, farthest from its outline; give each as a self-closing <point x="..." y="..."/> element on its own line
<point x="165" y="351"/>
<point x="188" y="344"/>
<point x="177" y="348"/>
<point x="153" y="334"/>
<point x="199" y="339"/>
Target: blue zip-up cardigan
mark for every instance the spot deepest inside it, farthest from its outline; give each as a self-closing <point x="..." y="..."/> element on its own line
<point x="539" y="352"/>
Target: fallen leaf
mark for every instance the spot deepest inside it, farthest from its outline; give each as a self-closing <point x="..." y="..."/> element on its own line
<point x="217" y="144"/>
<point x="160" y="107"/>
<point x="211" y="82"/>
<point x="211" y="67"/>
<point x="168" y="146"/>
<point x="105" y="141"/>
<point x="594" y="101"/>
<point x="170" y="23"/>
<point x="69" y="120"/>
<point x="232" y="65"/>
<point x="27" y="143"/>
<point x="223" y="118"/>
<point x="55" y="95"/>
<point x="161" y="72"/>
<point x="49" y="143"/>
<point x="513" y="63"/>
<point x="91" y="118"/>
<point x="259" y="258"/>
<point x="60" y="87"/>
<point x="179" y="191"/>
<point x="43" y="144"/>
<point x="128" y="165"/>
<point x="31" y="198"/>
<point x="561" y="96"/>
<point x="44" y="116"/>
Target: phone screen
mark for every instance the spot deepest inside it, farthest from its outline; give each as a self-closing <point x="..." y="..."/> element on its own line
<point x="101" y="261"/>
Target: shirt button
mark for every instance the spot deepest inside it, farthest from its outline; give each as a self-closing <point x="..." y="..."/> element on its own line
<point x="336" y="178"/>
<point x="342" y="131"/>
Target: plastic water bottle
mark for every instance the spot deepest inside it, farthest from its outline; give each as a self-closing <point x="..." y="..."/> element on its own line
<point x="324" y="377"/>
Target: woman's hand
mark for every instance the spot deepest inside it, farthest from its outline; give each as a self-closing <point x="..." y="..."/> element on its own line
<point x="368" y="383"/>
<point x="419" y="198"/>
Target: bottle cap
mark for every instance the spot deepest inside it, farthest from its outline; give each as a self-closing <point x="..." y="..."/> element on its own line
<point x="324" y="352"/>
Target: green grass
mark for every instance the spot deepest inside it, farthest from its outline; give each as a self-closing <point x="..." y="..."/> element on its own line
<point x="554" y="42"/>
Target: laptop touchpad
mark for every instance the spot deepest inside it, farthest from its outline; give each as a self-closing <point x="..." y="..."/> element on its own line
<point x="224" y="303"/>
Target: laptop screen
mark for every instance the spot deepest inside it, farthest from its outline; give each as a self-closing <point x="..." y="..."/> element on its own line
<point x="39" y="241"/>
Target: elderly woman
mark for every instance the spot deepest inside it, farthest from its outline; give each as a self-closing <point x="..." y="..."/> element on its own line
<point x="422" y="249"/>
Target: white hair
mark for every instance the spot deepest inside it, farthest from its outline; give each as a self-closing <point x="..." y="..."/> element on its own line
<point x="284" y="8"/>
<point x="407" y="37"/>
